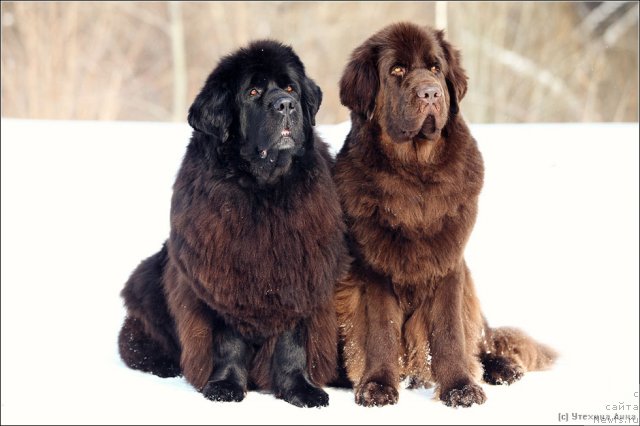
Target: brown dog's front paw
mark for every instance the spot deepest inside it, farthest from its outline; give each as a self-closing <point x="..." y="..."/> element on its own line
<point x="376" y="394"/>
<point x="464" y="396"/>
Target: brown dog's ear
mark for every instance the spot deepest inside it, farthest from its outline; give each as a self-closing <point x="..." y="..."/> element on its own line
<point x="456" y="76"/>
<point x="359" y="82"/>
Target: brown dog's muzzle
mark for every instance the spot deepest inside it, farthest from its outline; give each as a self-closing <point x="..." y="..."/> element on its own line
<point x="425" y="92"/>
<point x="429" y="95"/>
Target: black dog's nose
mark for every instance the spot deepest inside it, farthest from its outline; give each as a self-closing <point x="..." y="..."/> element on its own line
<point x="284" y="105"/>
<point x="429" y="93"/>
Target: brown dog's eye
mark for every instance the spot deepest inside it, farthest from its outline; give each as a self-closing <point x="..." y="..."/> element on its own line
<point x="435" y="69"/>
<point x="398" y="71"/>
<point x="288" y="89"/>
<point x="254" y="92"/>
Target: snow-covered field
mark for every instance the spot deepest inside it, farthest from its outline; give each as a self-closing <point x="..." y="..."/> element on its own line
<point x="554" y="251"/>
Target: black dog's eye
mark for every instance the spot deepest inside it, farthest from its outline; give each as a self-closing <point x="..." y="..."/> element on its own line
<point x="254" y="92"/>
<point x="398" y="70"/>
<point x="435" y="68"/>
<point x="288" y="89"/>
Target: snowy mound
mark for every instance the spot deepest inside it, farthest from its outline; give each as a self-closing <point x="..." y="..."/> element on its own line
<point x="554" y="252"/>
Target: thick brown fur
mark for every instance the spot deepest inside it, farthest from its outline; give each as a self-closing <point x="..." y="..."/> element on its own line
<point x="242" y="293"/>
<point x="409" y="176"/>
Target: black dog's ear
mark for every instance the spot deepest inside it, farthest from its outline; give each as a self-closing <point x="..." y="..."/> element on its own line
<point x="359" y="83"/>
<point x="456" y="76"/>
<point x="211" y="111"/>
<point x="311" y="99"/>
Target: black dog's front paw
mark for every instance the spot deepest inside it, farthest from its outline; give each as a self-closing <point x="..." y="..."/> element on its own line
<point x="499" y="370"/>
<point x="223" y="390"/>
<point x="304" y="394"/>
<point x="464" y="396"/>
<point x="374" y="394"/>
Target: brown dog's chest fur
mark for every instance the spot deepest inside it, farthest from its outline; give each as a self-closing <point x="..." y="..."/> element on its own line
<point x="409" y="218"/>
<point x="410" y="223"/>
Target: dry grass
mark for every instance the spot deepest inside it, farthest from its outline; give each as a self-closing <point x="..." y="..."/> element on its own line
<point x="146" y="61"/>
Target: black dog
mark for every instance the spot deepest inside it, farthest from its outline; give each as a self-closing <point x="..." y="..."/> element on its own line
<point x="241" y="295"/>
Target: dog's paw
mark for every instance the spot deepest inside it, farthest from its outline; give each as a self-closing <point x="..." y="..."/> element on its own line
<point x="167" y="369"/>
<point x="416" y="383"/>
<point x="464" y="396"/>
<point x="499" y="370"/>
<point x="304" y="394"/>
<point x="374" y="394"/>
<point x="224" y="391"/>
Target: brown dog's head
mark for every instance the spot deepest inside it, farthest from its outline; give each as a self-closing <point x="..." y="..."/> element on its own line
<point x="407" y="78"/>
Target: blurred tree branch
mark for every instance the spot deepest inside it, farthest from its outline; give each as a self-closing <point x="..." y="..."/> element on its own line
<point x="527" y="61"/>
<point x="598" y="15"/>
<point x="621" y="26"/>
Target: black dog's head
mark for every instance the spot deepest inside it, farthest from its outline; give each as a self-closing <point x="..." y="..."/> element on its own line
<point x="259" y="104"/>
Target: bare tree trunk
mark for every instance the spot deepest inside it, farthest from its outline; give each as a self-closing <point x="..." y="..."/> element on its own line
<point x="441" y="15"/>
<point x="179" y="62"/>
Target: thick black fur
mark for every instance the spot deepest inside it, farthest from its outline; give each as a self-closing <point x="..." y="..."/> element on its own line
<point x="290" y="380"/>
<point x="241" y="295"/>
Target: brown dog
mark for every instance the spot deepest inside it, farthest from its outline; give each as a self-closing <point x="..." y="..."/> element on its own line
<point x="408" y="177"/>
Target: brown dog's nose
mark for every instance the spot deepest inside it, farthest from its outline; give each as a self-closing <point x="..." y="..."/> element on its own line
<point x="429" y="93"/>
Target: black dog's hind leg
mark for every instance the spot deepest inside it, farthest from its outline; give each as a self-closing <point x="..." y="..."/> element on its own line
<point x="290" y="380"/>
<point x="147" y="339"/>
<point x="231" y="356"/>
<point x="140" y="351"/>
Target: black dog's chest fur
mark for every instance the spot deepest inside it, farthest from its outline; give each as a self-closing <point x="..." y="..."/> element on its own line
<point x="256" y="257"/>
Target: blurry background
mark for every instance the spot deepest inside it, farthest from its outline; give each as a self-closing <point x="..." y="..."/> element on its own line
<point x="527" y="61"/>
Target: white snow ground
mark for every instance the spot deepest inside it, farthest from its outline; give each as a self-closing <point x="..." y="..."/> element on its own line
<point x="554" y="251"/>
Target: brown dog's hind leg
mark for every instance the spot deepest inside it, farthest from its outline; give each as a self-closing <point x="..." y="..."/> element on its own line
<point x="499" y="370"/>
<point x="507" y="353"/>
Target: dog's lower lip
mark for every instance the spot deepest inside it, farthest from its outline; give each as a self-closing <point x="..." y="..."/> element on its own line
<point x="410" y="132"/>
<point x="429" y="125"/>
<point x="285" y="142"/>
